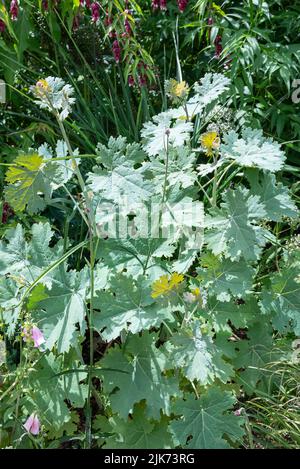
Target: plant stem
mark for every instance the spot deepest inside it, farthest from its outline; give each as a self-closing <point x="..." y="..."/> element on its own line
<point x="66" y="139"/>
<point x="166" y="171"/>
<point x="90" y="223"/>
<point x="88" y="434"/>
<point x="176" y="44"/>
<point x="215" y="187"/>
<point x="165" y="182"/>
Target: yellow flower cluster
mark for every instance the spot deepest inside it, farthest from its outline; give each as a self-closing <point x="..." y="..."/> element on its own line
<point x="210" y="141"/>
<point x="177" y="90"/>
<point x="165" y="284"/>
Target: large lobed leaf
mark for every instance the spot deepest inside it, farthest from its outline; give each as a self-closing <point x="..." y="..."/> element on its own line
<point x="142" y="365"/>
<point x="205" y="423"/>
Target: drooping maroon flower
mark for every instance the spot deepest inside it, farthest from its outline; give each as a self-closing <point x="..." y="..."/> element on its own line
<point x="116" y="51"/>
<point x="182" y="4"/>
<point x="76" y="22"/>
<point x="131" y="80"/>
<point x="163" y="5"/>
<point x="108" y="19"/>
<point x="143" y="79"/>
<point x="142" y="66"/>
<point x="95" y="7"/>
<point x="155" y="4"/>
<point x="7" y="212"/>
<point x="127" y="27"/>
<point x="218" y="46"/>
<point x="45" y="4"/>
<point x="88" y="3"/>
<point x="2" y="26"/>
<point x="14" y="9"/>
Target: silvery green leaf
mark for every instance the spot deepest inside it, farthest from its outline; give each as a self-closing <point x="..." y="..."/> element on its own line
<point x="252" y="149"/>
<point x="275" y="196"/>
<point x="127" y="305"/>
<point x="163" y="131"/>
<point x="197" y="356"/>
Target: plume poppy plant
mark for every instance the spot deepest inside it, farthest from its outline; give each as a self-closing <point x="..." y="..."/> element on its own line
<point x="32" y="424"/>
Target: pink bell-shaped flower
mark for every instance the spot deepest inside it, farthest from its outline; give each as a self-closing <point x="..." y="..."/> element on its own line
<point x="32" y="424"/>
<point x="37" y="336"/>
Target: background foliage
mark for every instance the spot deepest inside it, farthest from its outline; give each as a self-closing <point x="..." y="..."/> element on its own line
<point x="135" y="354"/>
